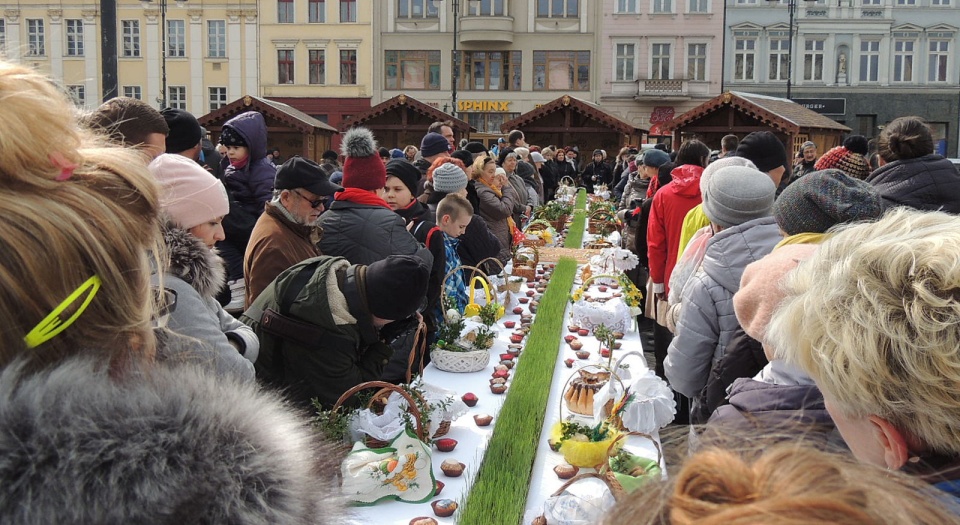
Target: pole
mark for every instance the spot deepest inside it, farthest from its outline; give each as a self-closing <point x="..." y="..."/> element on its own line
<point x="108" y="48"/>
<point x="163" y="54"/>
<point x="456" y="57"/>
<point x="791" y="6"/>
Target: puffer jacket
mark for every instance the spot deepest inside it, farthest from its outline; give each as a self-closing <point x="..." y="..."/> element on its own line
<point x="167" y="444"/>
<point x="196" y="273"/>
<point x="926" y="183"/>
<point x="670" y="206"/>
<point x="707" y="322"/>
<point x="496" y="210"/>
<point x="366" y="233"/>
<point x="635" y="189"/>
<point x="764" y="407"/>
<point x="251" y="185"/>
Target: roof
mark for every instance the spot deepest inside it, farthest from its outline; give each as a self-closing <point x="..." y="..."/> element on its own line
<point x="780" y="113"/>
<point x="284" y="113"/>
<point x="402" y="100"/>
<point x="580" y="106"/>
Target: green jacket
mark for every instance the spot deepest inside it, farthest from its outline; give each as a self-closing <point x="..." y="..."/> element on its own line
<point x="335" y="348"/>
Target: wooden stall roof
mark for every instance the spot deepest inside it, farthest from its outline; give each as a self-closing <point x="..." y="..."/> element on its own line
<point x="580" y="106"/>
<point x="781" y="114"/>
<point x="404" y="100"/>
<point x="286" y="114"/>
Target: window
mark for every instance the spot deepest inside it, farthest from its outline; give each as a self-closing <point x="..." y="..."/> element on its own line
<point x="626" y="57"/>
<point x="627" y="6"/>
<point x="218" y="98"/>
<point x="696" y="61"/>
<point x="871" y="2"/>
<point x="177" y="97"/>
<point x="413" y="69"/>
<point x="869" y="61"/>
<point x="903" y="61"/>
<point x="285" y="11"/>
<point x="779" y="59"/>
<point x="697" y="6"/>
<point x="3" y="34"/>
<point x="78" y="94"/>
<point x="316" y="11"/>
<point x="488" y="122"/>
<point x="490" y="70"/>
<point x="662" y="6"/>
<point x="561" y="70"/>
<point x="285" y="66"/>
<point x="133" y="92"/>
<point x="318" y="72"/>
<point x="746" y="1"/>
<point x="867" y="125"/>
<point x="487" y="8"/>
<point x="558" y="8"/>
<point x="417" y="9"/>
<point x="660" y="61"/>
<point x="744" y="57"/>
<point x="813" y="59"/>
<point x="348" y="13"/>
<point x="940" y="2"/>
<point x="74" y="38"/>
<point x="348" y="66"/>
<point x="35" y="37"/>
<point x="176" y="38"/>
<point x="939" y="58"/>
<point x="131" y="37"/>
<point x="216" y="38"/>
<point x="906" y="2"/>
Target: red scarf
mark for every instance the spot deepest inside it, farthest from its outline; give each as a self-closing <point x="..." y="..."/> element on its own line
<point x="358" y="196"/>
<point x="240" y="164"/>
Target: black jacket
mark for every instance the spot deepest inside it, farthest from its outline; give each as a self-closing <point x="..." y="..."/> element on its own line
<point x="365" y="233"/>
<point x="926" y="183"/>
<point x="596" y="173"/>
<point x="477" y="243"/>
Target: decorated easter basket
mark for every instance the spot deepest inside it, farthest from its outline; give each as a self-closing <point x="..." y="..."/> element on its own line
<point x="465" y="360"/>
<point x="602" y="222"/>
<point x="630" y="470"/>
<point x="588" y="312"/>
<point x="525" y="261"/>
<point x="378" y="401"/>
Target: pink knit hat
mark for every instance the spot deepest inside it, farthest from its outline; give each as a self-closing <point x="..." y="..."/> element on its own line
<point x="761" y="289"/>
<point x="189" y="194"/>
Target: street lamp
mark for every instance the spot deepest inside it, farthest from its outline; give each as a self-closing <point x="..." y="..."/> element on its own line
<point x="456" y="56"/>
<point x="791" y="9"/>
<point x="162" y="99"/>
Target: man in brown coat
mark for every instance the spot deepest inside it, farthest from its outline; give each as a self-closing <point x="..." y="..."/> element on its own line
<point x="287" y="232"/>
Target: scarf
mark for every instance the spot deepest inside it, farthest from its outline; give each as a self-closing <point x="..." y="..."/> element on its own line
<point x="803" y="238"/>
<point x="240" y="164"/>
<point x="499" y="194"/>
<point x="454" y="287"/>
<point x="358" y="196"/>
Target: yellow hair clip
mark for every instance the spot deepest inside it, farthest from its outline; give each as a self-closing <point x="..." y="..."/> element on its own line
<point x="52" y="324"/>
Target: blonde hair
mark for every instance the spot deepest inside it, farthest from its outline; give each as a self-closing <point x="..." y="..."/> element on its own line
<point x="455" y="206"/>
<point x="874" y="318"/>
<point x="476" y="169"/>
<point x="785" y="484"/>
<point x="99" y="220"/>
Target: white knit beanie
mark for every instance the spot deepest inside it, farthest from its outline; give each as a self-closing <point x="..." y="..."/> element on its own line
<point x="449" y="178"/>
<point x="737" y="194"/>
<point x="189" y="194"/>
<point x="722" y="163"/>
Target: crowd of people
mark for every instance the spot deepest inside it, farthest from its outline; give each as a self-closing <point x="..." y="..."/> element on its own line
<point x="172" y="313"/>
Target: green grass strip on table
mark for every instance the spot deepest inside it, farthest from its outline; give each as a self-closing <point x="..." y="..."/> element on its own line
<point x="575" y="236"/>
<point x="499" y="493"/>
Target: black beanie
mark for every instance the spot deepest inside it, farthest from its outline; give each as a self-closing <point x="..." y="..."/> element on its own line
<point x="764" y="149"/>
<point x="475" y="147"/>
<point x="230" y="137"/>
<point x="406" y="172"/>
<point x="185" y="131"/>
<point x="854" y="143"/>
<point x="465" y="156"/>
<point x="396" y="286"/>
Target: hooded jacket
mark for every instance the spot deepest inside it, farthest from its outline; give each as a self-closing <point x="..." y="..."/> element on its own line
<point x="276" y="244"/>
<point x="926" y="183"/>
<point x="196" y="274"/>
<point x="251" y="185"/>
<point x="707" y="322"/>
<point x="167" y="445"/>
<point x="765" y="407"/>
<point x="670" y="205"/>
<point x="366" y="233"/>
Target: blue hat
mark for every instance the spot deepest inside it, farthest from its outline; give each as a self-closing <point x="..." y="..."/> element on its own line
<point x="396" y="154"/>
<point x="655" y="158"/>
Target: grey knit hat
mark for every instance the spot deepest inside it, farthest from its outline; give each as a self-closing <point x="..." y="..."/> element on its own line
<point x="449" y="178"/>
<point x="822" y="199"/>
<point x="738" y="194"/>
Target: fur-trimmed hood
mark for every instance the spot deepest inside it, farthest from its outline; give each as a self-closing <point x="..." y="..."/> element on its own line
<point x="190" y="260"/>
<point x="168" y="445"/>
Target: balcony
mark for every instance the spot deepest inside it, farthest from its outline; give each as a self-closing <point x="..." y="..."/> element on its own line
<point x="676" y="89"/>
<point x="486" y="29"/>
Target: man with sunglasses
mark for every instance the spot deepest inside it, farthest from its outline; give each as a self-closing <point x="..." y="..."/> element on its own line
<point x="287" y="232"/>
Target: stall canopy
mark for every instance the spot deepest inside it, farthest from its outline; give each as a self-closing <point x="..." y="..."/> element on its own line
<point x="740" y="113"/>
<point x="403" y="120"/>
<point x="570" y="121"/>
<point x="290" y="130"/>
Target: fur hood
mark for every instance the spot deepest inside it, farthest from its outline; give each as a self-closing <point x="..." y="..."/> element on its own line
<point x="168" y="445"/>
<point x="190" y="260"/>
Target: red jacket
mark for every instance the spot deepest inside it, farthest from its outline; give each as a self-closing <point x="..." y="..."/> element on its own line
<point x="670" y="206"/>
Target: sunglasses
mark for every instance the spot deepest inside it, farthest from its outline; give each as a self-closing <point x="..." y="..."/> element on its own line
<point x="313" y="203"/>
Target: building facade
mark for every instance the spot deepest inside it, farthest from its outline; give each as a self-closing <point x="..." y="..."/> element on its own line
<point x="861" y="62"/>
<point x="659" y="58"/>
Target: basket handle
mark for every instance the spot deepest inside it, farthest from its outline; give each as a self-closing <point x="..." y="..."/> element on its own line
<point x="606" y="466"/>
<point x="473" y="274"/>
<point x="383" y="385"/>
<point x="615" y="488"/>
<point x="594" y="365"/>
<point x="503" y="269"/>
<point x="419" y="348"/>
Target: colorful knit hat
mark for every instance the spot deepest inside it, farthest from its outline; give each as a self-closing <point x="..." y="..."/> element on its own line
<point x="840" y="158"/>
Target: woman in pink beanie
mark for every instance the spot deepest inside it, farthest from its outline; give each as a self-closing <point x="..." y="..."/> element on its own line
<point x="194" y="203"/>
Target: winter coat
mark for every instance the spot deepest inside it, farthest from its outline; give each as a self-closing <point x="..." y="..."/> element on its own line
<point x="251" y="185"/>
<point x="524" y="197"/>
<point x="926" y="183"/>
<point x="670" y="205"/>
<point x="534" y="185"/>
<point x="707" y="322"/>
<point x="496" y="210"/>
<point x="563" y="169"/>
<point x="168" y="444"/>
<point x="276" y="244"/>
<point x="195" y="273"/>
<point x="743" y="357"/>
<point x="767" y="407"/>
<point x="477" y="242"/>
<point x="548" y="173"/>
<point x="366" y="233"/>
<point x="345" y="351"/>
<point x="596" y="173"/>
<point x="634" y="189"/>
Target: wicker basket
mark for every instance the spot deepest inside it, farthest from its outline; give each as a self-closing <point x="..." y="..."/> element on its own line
<point x="535" y="228"/>
<point x="460" y="362"/>
<point x="526" y="268"/>
<point x="379" y="399"/>
<point x="602" y="219"/>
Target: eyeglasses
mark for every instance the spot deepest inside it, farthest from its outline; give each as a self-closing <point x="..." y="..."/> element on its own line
<point x="314" y="203"/>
